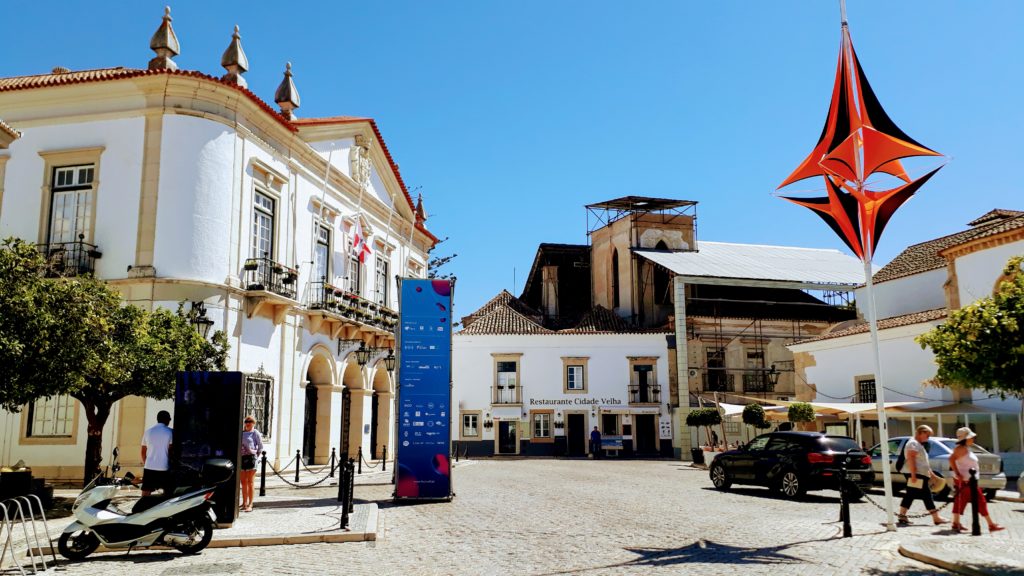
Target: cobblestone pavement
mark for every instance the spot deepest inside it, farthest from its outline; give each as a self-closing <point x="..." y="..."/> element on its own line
<point x="551" y="517"/>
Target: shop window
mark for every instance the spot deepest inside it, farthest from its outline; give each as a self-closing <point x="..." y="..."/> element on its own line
<point x="541" y="425"/>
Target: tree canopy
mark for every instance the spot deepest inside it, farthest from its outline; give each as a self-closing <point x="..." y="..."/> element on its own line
<point x="801" y="412"/>
<point x="754" y="415"/>
<point x="982" y="345"/>
<point x="75" y="336"/>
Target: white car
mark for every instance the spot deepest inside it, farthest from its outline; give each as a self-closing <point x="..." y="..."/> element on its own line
<point x="990" y="474"/>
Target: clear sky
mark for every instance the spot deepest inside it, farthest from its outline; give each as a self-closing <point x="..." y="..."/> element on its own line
<point x="511" y="116"/>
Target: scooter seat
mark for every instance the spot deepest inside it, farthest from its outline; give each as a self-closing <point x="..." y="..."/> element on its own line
<point x="147" y="502"/>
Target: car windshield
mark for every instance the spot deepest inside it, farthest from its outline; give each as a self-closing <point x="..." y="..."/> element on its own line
<point x="839" y="443"/>
<point x="951" y="444"/>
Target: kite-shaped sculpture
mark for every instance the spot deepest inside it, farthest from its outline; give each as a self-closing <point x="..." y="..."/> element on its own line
<point x="858" y="140"/>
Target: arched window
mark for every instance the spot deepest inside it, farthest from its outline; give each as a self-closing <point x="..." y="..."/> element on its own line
<point x="661" y="280"/>
<point x="615" y="278"/>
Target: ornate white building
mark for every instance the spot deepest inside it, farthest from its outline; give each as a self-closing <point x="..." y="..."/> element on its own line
<point x="175" y="185"/>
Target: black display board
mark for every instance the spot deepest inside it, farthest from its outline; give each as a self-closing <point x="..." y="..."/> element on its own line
<point x="208" y="424"/>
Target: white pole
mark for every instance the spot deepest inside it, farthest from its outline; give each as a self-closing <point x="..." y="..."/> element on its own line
<point x="883" y="424"/>
<point x="995" y="434"/>
<point x="842" y="11"/>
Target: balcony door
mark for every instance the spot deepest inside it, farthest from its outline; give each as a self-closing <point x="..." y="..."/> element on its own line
<point x="71" y="205"/>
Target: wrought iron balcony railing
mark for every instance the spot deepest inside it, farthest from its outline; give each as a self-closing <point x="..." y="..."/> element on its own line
<point x="645" y="394"/>
<point x="265" y="274"/>
<point x="507" y="394"/>
<point x="330" y="298"/>
<point x="64" y="259"/>
<point x="718" y="381"/>
<point x="757" y="382"/>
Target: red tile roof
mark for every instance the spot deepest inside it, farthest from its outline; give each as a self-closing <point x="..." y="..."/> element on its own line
<point x="600" y="319"/>
<point x="927" y="255"/>
<point x="861" y="327"/>
<point x="119" y="73"/>
<point x="503" y="319"/>
<point x="6" y="128"/>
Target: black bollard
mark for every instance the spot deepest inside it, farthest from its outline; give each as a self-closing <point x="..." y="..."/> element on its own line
<point x="343" y="484"/>
<point x="456" y="451"/>
<point x="975" y="521"/>
<point x="331" y="473"/>
<point x="844" y="500"/>
<point x="298" y="462"/>
<point x="465" y="451"/>
<point x="351" y="486"/>
<point x="360" y="459"/>
<point x="263" y="474"/>
<point x="384" y="460"/>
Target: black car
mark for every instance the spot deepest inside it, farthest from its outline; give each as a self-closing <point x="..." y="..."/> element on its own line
<point x="792" y="463"/>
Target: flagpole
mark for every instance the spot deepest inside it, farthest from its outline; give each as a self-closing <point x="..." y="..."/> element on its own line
<point x="883" y="422"/>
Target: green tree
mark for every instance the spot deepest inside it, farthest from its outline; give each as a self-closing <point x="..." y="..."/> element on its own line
<point x="74" y="336"/>
<point x="982" y="345"/>
<point x="801" y="413"/>
<point x="704" y="417"/>
<point x="754" y="415"/>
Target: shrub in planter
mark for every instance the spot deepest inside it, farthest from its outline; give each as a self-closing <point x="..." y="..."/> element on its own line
<point x="801" y="413"/>
<point x="251" y="265"/>
<point x="703" y="417"/>
<point x="753" y="415"/>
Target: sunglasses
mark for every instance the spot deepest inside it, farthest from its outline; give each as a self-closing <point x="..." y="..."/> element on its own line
<point x="250" y="421"/>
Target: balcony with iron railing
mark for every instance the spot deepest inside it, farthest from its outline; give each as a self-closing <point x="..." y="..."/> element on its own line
<point x="264" y="274"/>
<point x="67" y="259"/>
<point x="509" y="395"/>
<point x="327" y="299"/>
<point x="645" y="394"/>
<point x="758" y="382"/>
<point x="718" y="380"/>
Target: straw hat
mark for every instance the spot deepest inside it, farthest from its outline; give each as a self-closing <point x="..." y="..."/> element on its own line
<point x="964" y="433"/>
<point x="936" y="484"/>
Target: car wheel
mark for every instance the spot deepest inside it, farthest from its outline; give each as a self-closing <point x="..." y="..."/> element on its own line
<point x="791" y="485"/>
<point x="719" y="477"/>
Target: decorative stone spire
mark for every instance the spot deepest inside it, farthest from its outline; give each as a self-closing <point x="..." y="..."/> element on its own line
<point x="287" y="96"/>
<point x="421" y="215"/>
<point x="165" y="43"/>
<point x="234" y="61"/>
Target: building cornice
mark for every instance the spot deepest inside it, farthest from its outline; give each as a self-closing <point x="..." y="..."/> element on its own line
<point x="979" y="244"/>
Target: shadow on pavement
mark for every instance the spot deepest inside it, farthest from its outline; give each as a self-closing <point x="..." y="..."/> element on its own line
<point x="813" y="498"/>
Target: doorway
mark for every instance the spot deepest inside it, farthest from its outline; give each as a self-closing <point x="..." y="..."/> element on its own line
<point x="309" y="425"/>
<point x="645" y="432"/>
<point x="576" y="434"/>
<point x="507" y="440"/>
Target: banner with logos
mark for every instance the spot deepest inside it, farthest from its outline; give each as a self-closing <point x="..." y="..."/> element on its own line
<point x="424" y="389"/>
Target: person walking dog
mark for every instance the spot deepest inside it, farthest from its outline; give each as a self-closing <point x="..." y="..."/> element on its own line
<point x="918" y="471"/>
<point x="960" y="462"/>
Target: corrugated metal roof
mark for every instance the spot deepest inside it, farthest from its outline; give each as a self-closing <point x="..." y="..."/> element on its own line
<point x="752" y="262"/>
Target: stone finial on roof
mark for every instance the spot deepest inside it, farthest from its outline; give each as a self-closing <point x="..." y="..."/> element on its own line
<point x="234" y="61"/>
<point x="287" y="96"/>
<point x="421" y="215"/>
<point x="165" y="43"/>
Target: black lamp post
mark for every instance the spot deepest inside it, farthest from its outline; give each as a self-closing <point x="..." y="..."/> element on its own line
<point x="363" y="354"/>
<point x="389" y="360"/>
<point x="199" y="321"/>
<point x="773" y="376"/>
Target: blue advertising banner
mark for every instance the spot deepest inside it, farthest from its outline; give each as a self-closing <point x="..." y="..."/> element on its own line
<point x="424" y="389"/>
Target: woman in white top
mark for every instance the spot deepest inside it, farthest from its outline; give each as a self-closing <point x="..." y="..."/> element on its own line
<point x="960" y="463"/>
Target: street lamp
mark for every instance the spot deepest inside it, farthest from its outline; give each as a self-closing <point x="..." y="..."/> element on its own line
<point x="363" y="354"/>
<point x="773" y="376"/>
<point x="389" y="360"/>
<point x="199" y="321"/>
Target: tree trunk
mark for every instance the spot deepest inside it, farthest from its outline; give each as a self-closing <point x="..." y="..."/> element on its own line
<point x="96" y="413"/>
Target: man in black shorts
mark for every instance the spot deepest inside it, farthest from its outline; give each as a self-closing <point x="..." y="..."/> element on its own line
<point x="156" y="447"/>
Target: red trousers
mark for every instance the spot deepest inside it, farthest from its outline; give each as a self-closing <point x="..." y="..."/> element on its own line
<point x="963" y="498"/>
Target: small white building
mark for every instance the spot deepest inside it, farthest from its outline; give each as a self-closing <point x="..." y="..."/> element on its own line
<point x="176" y="185"/>
<point x="523" y="389"/>
<point x="914" y="293"/>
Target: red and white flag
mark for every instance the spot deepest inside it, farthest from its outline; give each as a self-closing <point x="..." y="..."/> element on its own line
<point x="360" y="247"/>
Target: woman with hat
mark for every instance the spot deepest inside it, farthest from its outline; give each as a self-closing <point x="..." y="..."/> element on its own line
<point x="919" y="472"/>
<point x="961" y="461"/>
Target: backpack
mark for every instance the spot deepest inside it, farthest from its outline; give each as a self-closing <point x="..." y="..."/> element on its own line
<point x="901" y="459"/>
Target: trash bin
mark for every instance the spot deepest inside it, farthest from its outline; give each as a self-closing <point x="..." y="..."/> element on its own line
<point x="698" y="455"/>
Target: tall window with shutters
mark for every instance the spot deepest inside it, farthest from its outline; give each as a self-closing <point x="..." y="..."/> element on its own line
<point x="381" y="280"/>
<point x="321" y="254"/>
<point x="354" y="274"/>
<point x="263" y="226"/>
<point x="71" y="204"/>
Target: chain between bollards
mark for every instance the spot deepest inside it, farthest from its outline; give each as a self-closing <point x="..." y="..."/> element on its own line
<point x="973" y="487"/>
<point x="263" y="474"/>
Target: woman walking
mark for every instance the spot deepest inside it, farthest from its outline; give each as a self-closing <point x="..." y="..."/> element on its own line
<point x="960" y="462"/>
<point x="918" y="471"/>
<point x="252" y="445"/>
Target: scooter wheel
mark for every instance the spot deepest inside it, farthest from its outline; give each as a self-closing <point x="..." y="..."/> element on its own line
<point x="77" y="545"/>
<point x="203" y="528"/>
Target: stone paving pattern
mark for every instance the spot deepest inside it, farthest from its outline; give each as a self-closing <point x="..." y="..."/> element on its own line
<point x="548" y="517"/>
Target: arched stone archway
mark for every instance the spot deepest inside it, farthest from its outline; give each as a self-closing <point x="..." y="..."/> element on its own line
<point x="381" y="410"/>
<point x="355" y="409"/>
<point x="316" y="426"/>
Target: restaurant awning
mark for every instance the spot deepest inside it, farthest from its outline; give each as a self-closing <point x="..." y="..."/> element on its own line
<point x="841" y="409"/>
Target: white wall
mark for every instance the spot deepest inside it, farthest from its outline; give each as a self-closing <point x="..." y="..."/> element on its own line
<point x="976" y="273"/>
<point x="914" y="293"/>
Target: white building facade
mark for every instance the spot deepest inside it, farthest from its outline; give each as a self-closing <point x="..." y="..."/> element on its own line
<point x="175" y="186"/>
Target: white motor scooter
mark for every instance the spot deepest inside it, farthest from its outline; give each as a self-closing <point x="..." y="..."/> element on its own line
<point x="183" y="519"/>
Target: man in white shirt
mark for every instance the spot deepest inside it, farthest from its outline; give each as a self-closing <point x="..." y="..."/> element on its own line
<point x="156" y="447"/>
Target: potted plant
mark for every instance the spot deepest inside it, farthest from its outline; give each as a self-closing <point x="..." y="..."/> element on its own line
<point x="278" y="268"/>
<point x="251" y="264"/>
<point x="290" y="276"/>
<point x="801" y="413"/>
<point x="698" y="418"/>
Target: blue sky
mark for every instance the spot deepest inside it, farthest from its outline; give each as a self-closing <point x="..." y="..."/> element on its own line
<point x="511" y="116"/>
